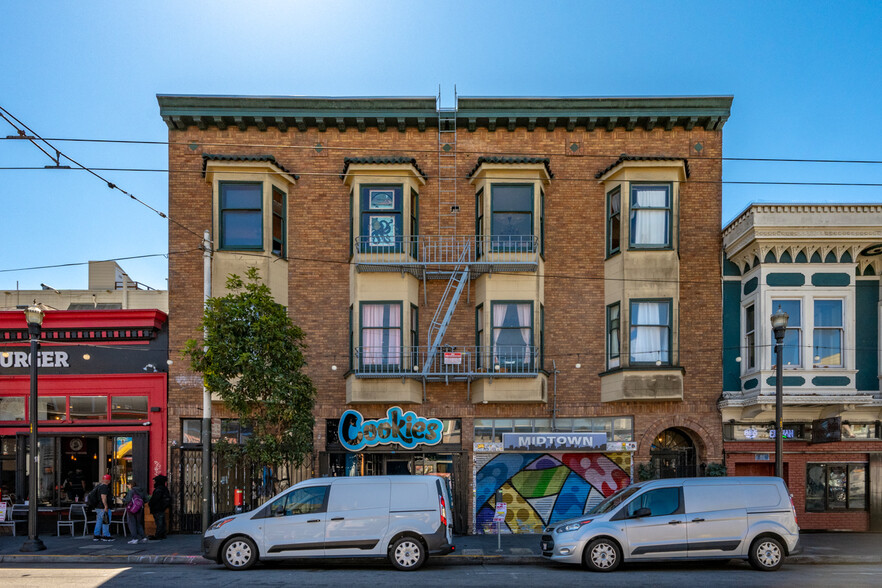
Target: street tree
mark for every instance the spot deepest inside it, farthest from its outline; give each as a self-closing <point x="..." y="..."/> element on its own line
<point x="252" y="357"/>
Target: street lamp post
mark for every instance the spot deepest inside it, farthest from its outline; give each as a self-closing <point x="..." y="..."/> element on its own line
<point x="779" y="327"/>
<point x="34" y="316"/>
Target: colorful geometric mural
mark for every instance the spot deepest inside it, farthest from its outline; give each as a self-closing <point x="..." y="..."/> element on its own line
<point x="543" y="488"/>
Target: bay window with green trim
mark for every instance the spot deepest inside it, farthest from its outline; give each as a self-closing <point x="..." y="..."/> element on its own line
<point x="280" y="223"/>
<point x="511" y="217"/>
<point x="380" y="336"/>
<point x="651" y="212"/>
<point x="512" y="335"/>
<point x="381" y="224"/>
<point x="241" y="215"/>
<point x="650" y="331"/>
<point x="613" y="222"/>
<point x="613" y="335"/>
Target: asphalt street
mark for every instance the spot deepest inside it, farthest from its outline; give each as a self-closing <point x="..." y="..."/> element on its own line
<point x="720" y="575"/>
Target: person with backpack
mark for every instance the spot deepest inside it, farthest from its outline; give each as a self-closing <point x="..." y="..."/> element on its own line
<point x="160" y="501"/>
<point x="134" y="505"/>
<point x="100" y="500"/>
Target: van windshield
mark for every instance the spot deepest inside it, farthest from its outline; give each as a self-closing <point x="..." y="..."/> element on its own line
<point x="610" y="502"/>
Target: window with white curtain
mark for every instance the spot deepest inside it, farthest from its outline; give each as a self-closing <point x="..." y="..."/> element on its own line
<point x="513" y="335"/>
<point x="650" y="331"/>
<point x="827" y="333"/>
<point x="650" y="215"/>
<point x="380" y="335"/>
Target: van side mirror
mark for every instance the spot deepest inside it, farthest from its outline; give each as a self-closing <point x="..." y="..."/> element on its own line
<point x="641" y="512"/>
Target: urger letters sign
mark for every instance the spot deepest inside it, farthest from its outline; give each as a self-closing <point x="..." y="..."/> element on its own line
<point x="404" y="428"/>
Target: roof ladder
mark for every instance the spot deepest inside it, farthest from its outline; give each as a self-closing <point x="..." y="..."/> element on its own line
<point x="447" y="160"/>
<point x="449" y="299"/>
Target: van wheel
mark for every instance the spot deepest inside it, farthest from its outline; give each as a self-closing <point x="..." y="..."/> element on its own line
<point x="239" y="553"/>
<point x="766" y="554"/>
<point x="407" y="554"/>
<point x="602" y="555"/>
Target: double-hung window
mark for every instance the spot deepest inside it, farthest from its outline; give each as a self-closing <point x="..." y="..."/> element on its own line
<point x="513" y="348"/>
<point x="414" y="335"/>
<point x="827" y="333"/>
<point x="613" y="338"/>
<point x="792" y="348"/>
<point x="614" y="222"/>
<point x="381" y="222"/>
<point x="479" y="335"/>
<point x="280" y="222"/>
<point x="650" y="216"/>
<point x="650" y="331"/>
<point x="380" y="335"/>
<point x="241" y="215"/>
<point x="511" y="224"/>
<point x="750" y="336"/>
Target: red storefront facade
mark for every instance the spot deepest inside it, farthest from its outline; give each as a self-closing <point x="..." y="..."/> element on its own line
<point x="102" y="384"/>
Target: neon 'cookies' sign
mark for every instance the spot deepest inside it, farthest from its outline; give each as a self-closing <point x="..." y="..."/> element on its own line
<point x="404" y="428"/>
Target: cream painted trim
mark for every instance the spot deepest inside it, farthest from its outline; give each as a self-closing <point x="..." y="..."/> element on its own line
<point x="383" y="173"/>
<point x="674" y="170"/>
<point x="253" y="170"/>
<point x="515" y="172"/>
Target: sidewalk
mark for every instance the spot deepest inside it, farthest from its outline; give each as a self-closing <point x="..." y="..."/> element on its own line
<point x="819" y="548"/>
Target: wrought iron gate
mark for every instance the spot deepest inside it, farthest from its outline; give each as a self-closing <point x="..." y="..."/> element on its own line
<point x="257" y="481"/>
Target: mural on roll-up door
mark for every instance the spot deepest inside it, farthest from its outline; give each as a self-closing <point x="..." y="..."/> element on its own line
<point x="543" y="488"/>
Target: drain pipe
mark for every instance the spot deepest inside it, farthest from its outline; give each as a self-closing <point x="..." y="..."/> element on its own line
<point x="554" y="396"/>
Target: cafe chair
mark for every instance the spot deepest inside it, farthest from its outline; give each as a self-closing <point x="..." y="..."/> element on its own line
<point x="122" y="522"/>
<point x="76" y="514"/>
<point x="18" y="514"/>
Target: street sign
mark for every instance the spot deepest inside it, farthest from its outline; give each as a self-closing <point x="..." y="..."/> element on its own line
<point x="499" y="515"/>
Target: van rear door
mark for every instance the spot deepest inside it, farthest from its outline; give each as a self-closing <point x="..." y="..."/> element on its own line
<point x="716" y="518"/>
<point x="358" y="517"/>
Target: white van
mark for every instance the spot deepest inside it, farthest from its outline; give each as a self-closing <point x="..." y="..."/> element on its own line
<point x="404" y="518"/>
<point x="749" y="518"/>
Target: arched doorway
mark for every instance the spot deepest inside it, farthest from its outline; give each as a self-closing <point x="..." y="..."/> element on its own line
<point x="672" y="455"/>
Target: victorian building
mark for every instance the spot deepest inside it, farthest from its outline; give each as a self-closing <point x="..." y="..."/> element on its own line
<point x="820" y="265"/>
<point x="518" y="294"/>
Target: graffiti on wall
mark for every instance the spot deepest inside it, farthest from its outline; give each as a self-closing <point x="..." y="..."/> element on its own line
<point x="543" y="488"/>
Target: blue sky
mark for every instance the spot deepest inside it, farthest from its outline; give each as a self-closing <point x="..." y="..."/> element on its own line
<point x="805" y="77"/>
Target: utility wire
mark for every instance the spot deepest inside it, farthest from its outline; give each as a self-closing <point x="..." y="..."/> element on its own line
<point x="78" y="263"/>
<point x="442" y="178"/>
<point x="34" y="137"/>
<point x="463" y="151"/>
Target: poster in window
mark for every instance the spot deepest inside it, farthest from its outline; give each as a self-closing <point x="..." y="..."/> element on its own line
<point x="382" y="230"/>
<point x="827" y="430"/>
<point x="381" y="199"/>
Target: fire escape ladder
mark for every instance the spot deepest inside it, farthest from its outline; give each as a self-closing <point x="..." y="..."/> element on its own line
<point x="447" y="305"/>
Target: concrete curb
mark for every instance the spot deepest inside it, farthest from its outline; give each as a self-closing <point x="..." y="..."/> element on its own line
<point x="452" y="560"/>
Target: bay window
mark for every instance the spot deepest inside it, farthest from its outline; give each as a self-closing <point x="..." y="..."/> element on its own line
<point x="792" y="349"/>
<point x="650" y="331"/>
<point x="241" y="215"/>
<point x="511" y="223"/>
<point x="513" y="335"/>
<point x="381" y="218"/>
<point x="380" y="335"/>
<point x="827" y="333"/>
<point x="614" y="222"/>
<point x="750" y="336"/>
<point x="650" y="216"/>
<point x="612" y="335"/>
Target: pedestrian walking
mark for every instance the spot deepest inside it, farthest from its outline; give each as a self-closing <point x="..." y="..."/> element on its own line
<point x="102" y="504"/>
<point x="160" y="501"/>
<point x="134" y="505"/>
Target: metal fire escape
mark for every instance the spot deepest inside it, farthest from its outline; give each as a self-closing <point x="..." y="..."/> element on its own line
<point x="448" y="210"/>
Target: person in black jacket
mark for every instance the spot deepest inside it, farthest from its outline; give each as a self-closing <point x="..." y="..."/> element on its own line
<point x="159" y="503"/>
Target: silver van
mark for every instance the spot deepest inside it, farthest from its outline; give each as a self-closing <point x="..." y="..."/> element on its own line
<point x="403" y="518"/>
<point x="749" y="518"/>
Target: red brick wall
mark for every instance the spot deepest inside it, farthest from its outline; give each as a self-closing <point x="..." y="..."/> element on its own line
<point x="574" y="308"/>
<point x="741" y="460"/>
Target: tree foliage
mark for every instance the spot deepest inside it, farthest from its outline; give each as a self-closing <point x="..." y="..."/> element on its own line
<point x="252" y="357"/>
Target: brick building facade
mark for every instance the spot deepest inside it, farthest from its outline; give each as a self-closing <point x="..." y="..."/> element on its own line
<point x="511" y="266"/>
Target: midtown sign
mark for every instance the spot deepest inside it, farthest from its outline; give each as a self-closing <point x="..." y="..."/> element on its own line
<point x="545" y="441"/>
<point x="404" y="428"/>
